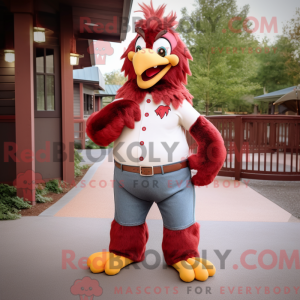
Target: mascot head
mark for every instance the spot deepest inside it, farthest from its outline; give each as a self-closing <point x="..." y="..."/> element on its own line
<point x="157" y="51"/>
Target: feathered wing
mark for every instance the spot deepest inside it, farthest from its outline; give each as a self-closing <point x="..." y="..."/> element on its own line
<point x="211" y="151"/>
<point x="105" y="126"/>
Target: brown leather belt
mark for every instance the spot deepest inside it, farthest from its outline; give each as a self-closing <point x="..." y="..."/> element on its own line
<point x="149" y="171"/>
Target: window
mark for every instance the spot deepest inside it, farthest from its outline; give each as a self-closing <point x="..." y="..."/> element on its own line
<point x="88" y="105"/>
<point x="46" y="82"/>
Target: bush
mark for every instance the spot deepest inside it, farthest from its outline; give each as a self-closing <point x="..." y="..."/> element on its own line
<point x="41" y="199"/>
<point x="77" y="166"/>
<point x="53" y="186"/>
<point x="91" y="145"/>
<point x="84" y="167"/>
<point x="10" y="203"/>
<point x="77" y="160"/>
<point x="40" y="190"/>
<point x="77" y="145"/>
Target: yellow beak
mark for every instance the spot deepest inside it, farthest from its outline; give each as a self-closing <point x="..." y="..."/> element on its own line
<point x="148" y="58"/>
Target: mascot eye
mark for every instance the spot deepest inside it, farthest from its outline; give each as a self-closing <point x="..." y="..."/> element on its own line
<point x="162" y="47"/>
<point x="140" y="44"/>
<point x="162" y="51"/>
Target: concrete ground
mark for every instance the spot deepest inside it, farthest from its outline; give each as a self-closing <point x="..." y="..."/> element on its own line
<point x="223" y="200"/>
<point x="252" y="241"/>
<point x="42" y="257"/>
<point x="285" y="194"/>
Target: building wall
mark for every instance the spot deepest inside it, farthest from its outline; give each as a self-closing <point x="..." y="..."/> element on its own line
<point x="48" y="142"/>
<point x="76" y="100"/>
<point x="7" y="82"/>
<point x="8" y="168"/>
<point x="7" y="108"/>
<point x="47" y="129"/>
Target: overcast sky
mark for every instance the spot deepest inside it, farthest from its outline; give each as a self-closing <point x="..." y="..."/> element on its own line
<point x="282" y="10"/>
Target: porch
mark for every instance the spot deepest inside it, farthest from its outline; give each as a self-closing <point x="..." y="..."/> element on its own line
<point x="88" y="102"/>
<point x="259" y="146"/>
<point x="40" y="44"/>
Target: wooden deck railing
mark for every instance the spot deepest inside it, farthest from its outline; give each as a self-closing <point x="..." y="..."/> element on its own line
<point x="259" y="146"/>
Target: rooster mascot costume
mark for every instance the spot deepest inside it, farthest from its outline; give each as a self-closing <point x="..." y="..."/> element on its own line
<point x="147" y="123"/>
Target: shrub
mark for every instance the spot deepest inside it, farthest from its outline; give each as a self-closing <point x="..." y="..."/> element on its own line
<point x="41" y="191"/>
<point x="91" y="145"/>
<point x="77" y="145"/>
<point x="77" y="160"/>
<point x="41" y="199"/>
<point x="77" y="157"/>
<point x="10" y="203"/>
<point x="7" y="190"/>
<point x="84" y="167"/>
<point x="77" y="166"/>
<point x="53" y="186"/>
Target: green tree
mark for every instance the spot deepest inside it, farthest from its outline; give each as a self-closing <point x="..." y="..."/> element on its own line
<point x="223" y="67"/>
<point x="114" y="77"/>
<point x="273" y="71"/>
<point x="292" y="31"/>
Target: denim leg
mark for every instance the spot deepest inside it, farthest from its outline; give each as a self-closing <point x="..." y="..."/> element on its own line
<point x="129" y="210"/>
<point x="178" y="211"/>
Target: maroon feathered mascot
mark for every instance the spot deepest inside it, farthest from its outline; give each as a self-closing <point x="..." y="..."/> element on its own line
<point x="147" y="123"/>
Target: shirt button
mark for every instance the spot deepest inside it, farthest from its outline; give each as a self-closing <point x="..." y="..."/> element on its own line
<point x="142" y="143"/>
<point x="148" y="100"/>
<point x="144" y="128"/>
<point x="146" y="114"/>
<point x="141" y="158"/>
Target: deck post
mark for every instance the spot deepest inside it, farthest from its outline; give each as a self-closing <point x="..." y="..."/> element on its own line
<point x="24" y="106"/>
<point x="67" y="93"/>
<point x="238" y="146"/>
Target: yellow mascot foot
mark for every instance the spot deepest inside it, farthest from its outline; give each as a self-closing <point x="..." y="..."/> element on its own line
<point x="195" y="268"/>
<point x="208" y="265"/>
<point x="108" y="262"/>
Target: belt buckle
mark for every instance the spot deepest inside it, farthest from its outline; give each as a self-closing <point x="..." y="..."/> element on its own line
<point x="144" y="174"/>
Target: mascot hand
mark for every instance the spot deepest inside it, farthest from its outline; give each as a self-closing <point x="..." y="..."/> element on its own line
<point x="105" y="126"/>
<point x="211" y="152"/>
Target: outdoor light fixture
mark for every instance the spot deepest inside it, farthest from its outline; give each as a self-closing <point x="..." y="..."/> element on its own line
<point x="9" y="55"/>
<point x="39" y="35"/>
<point x="74" y="59"/>
<point x="74" y="56"/>
<point x="91" y="24"/>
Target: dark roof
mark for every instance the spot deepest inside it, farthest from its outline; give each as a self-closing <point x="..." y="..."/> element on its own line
<point x="90" y="76"/>
<point x="274" y="95"/>
<point x="110" y="90"/>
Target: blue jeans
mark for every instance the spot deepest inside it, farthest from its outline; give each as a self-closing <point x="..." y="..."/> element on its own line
<point x="173" y="193"/>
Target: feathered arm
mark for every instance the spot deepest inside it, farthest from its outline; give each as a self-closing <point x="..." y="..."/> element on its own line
<point x="211" y="151"/>
<point x="105" y="126"/>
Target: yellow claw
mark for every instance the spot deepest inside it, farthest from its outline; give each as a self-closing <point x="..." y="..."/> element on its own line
<point x="195" y="268"/>
<point x="108" y="262"/>
<point x="115" y="264"/>
<point x="201" y="272"/>
<point x="208" y="265"/>
<point x="97" y="261"/>
<point x="186" y="271"/>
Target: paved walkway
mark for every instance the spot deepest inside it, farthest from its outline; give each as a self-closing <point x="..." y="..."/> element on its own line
<point x="223" y="200"/>
<point x="44" y="257"/>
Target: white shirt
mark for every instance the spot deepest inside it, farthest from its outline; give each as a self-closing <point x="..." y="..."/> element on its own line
<point x="159" y="137"/>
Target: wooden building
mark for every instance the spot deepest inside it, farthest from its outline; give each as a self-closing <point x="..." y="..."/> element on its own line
<point x="40" y="41"/>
